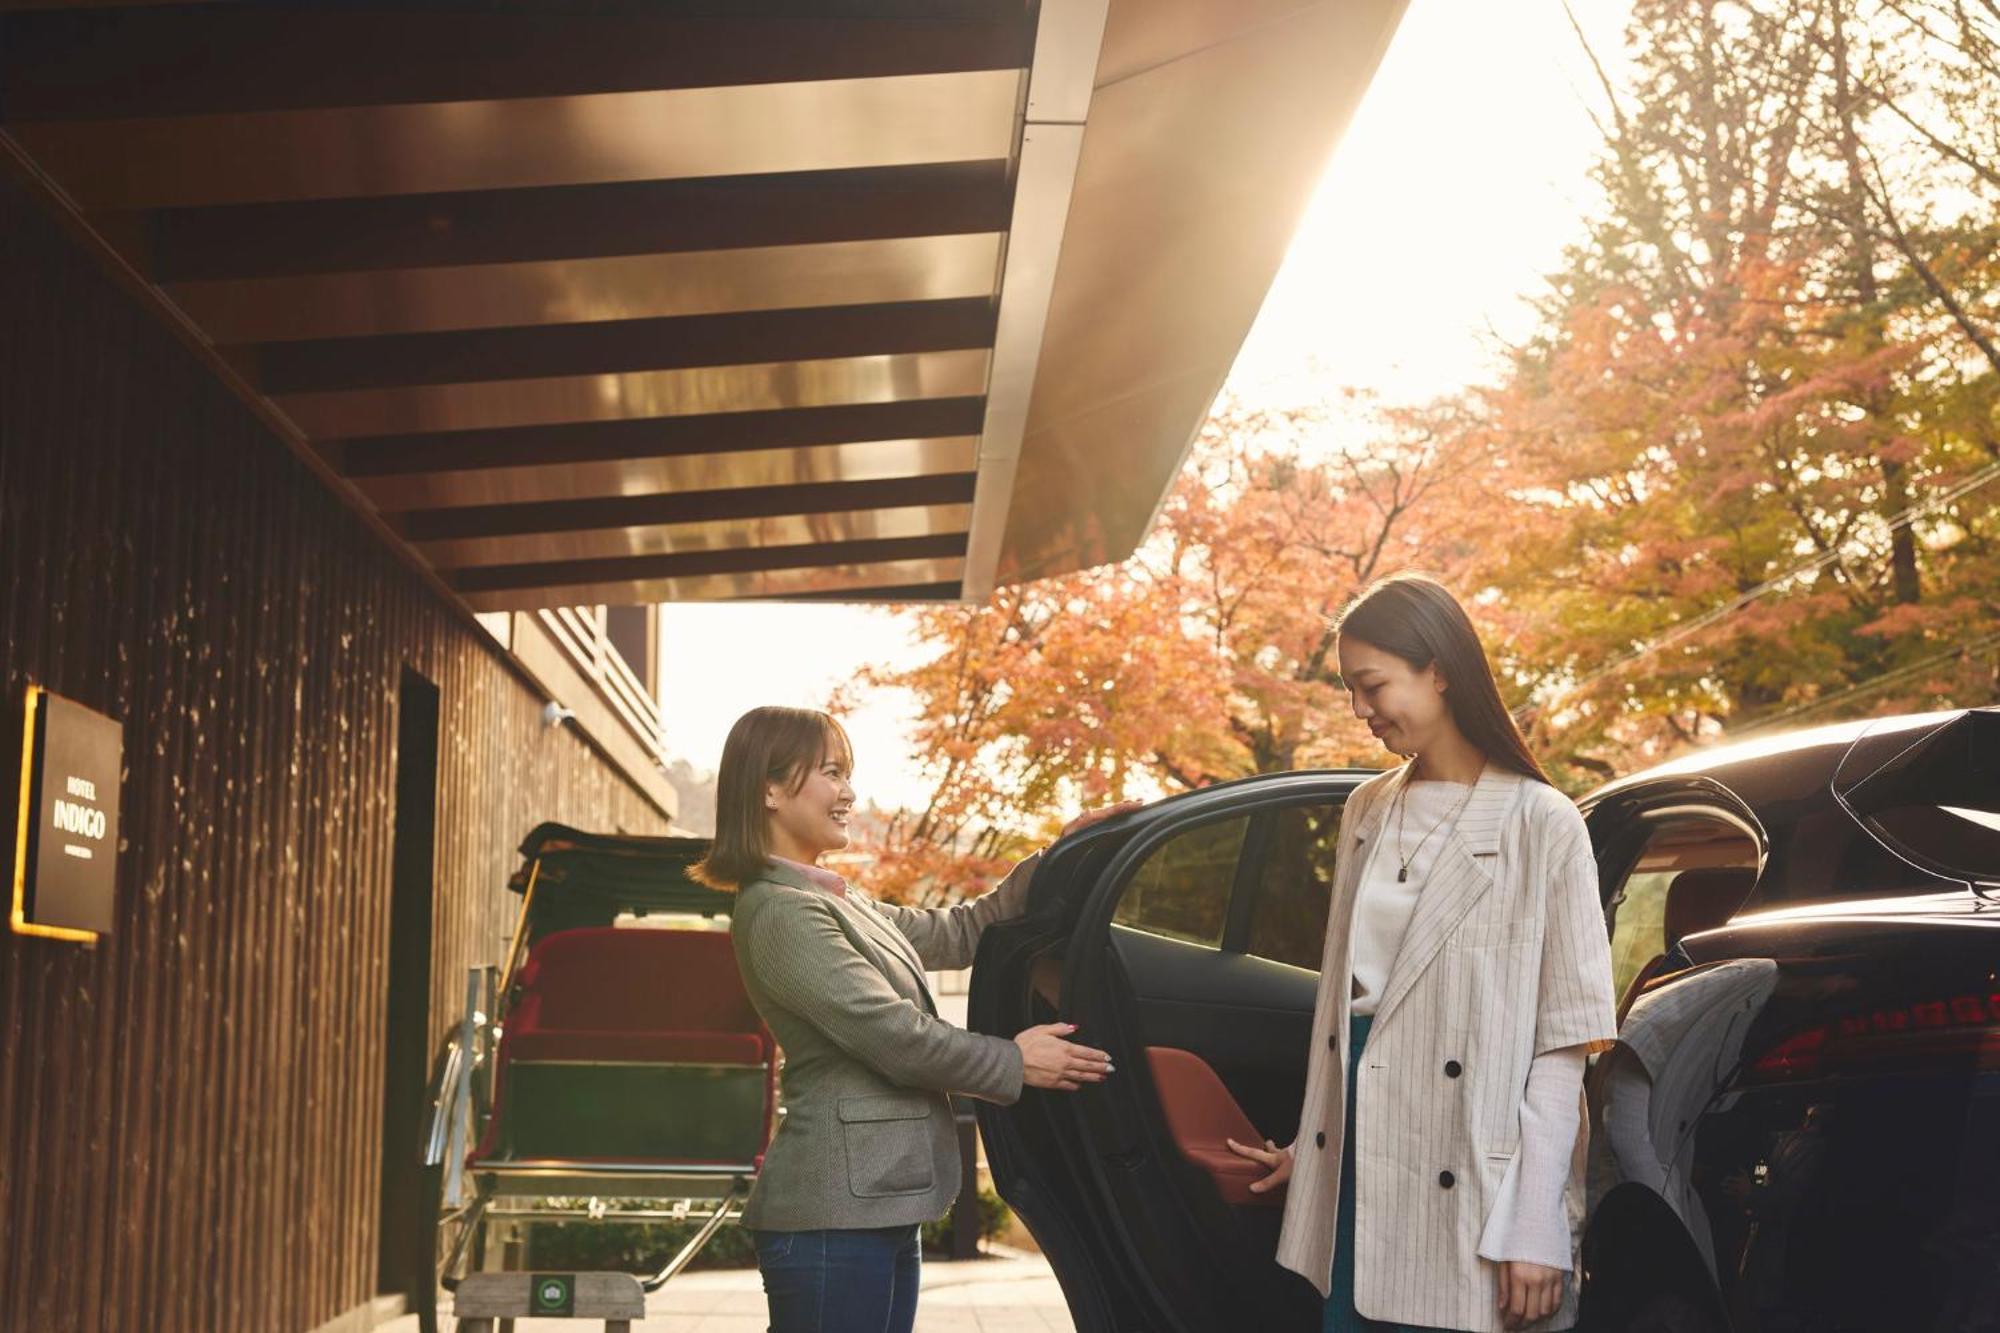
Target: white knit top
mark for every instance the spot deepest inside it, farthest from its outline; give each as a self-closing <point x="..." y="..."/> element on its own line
<point x="1529" y="1221"/>
<point x="1384" y="904"/>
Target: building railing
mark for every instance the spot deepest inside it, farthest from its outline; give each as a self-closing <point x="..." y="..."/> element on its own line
<point x="571" y="655"/>
<point x="580" y="632"/>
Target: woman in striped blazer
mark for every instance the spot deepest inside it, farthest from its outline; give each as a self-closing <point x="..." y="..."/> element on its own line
<point x="1435" y="1179"/>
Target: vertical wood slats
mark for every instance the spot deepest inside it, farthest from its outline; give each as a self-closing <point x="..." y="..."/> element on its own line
<point x="190" y="1113"/>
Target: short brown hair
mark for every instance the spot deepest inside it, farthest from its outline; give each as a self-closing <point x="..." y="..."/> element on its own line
<point x="768" y="744"/>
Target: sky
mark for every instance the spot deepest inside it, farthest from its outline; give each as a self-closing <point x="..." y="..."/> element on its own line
<point x="1455" y="189"/>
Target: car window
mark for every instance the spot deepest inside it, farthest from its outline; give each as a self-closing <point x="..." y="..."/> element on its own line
<point x="1962" y="841"/>
<point x="1934" y="802"/>
<point x="1182" y="889"/>
<point x="1294" y="885"/>
<point x="1691" y="875"/>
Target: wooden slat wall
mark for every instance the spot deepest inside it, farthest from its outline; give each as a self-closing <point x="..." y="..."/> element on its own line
<point x="190" y="1113"/>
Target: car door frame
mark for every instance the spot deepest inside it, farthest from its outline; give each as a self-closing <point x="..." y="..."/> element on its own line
<point x="1124" y="1127"/>
<point x="1621" y="821"/>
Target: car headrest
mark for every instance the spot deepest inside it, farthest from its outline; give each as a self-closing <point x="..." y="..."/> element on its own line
<point x="1699" y="900"/>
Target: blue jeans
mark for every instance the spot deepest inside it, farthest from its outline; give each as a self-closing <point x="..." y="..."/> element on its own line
<point x="844" y="1281"/>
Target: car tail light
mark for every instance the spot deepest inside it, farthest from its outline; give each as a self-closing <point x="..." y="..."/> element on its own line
<point x="1958" y="1033"/>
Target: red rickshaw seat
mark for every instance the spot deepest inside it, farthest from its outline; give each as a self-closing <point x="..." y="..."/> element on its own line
<point x="633" y="1042"/>
<point x="606" y="979"/>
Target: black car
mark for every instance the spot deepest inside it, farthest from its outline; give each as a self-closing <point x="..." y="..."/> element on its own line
<point x="1804" y="1124"/>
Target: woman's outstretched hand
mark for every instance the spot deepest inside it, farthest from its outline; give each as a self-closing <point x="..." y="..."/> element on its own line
<point x="1050" y="1060"/>
<point x="1098" y="816"/>
<point x="1271" y="1155"/>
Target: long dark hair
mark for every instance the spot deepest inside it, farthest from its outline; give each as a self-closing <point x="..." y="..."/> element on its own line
<point x="769" y="744"/>
<point x="1416" y="618"/>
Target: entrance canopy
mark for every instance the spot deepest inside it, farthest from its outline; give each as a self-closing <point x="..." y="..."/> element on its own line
<point x="647" y="301"/>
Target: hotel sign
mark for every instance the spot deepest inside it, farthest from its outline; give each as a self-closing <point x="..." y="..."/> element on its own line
<point x="66" y="839"/>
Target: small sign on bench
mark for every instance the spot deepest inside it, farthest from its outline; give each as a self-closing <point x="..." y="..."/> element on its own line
<point x="616" y="1298"/>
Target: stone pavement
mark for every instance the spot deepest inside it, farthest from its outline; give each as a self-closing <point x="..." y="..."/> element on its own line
<point x="1010" y="1292"/>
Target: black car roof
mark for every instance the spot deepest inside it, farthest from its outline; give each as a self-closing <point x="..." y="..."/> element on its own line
<point x="1817" y="848"/>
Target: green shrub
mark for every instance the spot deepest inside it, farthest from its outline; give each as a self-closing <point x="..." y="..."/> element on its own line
<point x="632" y="1247"/>
<point x="993" y="1215"/>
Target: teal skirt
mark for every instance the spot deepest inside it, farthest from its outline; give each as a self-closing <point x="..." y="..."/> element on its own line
<point x="1341" y="1316"/>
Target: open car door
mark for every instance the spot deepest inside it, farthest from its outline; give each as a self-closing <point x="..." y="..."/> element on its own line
<point x="1185" y="940"/>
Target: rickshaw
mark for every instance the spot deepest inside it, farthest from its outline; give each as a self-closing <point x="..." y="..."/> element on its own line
<point x="613" y="1057"/>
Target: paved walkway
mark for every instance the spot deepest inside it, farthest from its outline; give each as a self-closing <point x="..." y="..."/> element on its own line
<point x="1014" y="1293"/>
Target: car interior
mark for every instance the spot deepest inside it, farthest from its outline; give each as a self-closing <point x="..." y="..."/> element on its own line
<point x="1692" y="874"/>
<point x="1218" y="937"/>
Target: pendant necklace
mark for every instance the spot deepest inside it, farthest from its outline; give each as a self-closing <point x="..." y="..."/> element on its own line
<point x="1402" y="805"/>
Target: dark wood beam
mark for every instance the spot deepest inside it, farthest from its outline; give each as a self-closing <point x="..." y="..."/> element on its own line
<point x="565" y="221"/>
<point x="646" y="511"/>
<point x="611" y="346"/>
<point x="691" y="564"/>
<point x="654" y="437"/>
<point x="905" y="592"/>
<point x="236" y="58"/>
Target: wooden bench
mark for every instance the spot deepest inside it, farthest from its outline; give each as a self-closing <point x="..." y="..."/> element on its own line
<point x="482" y="1298"/>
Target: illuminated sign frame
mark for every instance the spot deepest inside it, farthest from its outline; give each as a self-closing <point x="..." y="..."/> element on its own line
<point x="85" y="811"/>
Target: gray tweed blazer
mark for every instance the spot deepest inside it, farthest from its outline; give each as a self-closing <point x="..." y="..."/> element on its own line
<point x="867" y="1138"/>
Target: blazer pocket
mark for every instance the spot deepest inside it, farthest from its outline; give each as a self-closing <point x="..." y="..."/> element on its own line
<point x="888" y="1143"/>
<point x="1492" y="973"/>
<point x="1490" y="934"/>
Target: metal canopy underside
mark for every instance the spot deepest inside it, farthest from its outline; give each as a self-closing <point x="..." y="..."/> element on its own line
<point x="629" y="302"/>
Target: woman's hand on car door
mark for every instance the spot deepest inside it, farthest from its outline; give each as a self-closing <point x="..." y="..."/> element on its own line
<point x="1050" y="1060"/>
<point x="1271" y="1155"/>
<point x="1098" y="816"/>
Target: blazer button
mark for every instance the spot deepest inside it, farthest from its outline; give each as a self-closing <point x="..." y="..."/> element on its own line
<point x="1452" y="1069"/>
<point x="1447" y="1179"/>
<point x="1319" y="1139"/>
<point x="1332" y="1042"/>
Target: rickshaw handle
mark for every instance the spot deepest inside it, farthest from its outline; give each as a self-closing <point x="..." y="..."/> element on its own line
<point x="520" y="930"/>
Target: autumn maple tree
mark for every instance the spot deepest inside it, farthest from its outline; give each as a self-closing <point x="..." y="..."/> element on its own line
<point x="1206" y="656"/>
<point x="1756" y="435"/>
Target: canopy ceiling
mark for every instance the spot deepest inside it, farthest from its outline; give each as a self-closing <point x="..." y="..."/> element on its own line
<point x="660" y="301"/>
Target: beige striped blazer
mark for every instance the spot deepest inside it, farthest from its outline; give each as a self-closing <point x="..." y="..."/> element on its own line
<point x="1505" y="957"/>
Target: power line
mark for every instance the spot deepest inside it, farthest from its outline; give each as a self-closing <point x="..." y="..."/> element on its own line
<point x="1880" y="683"/>
<point x="1984" y="476"/>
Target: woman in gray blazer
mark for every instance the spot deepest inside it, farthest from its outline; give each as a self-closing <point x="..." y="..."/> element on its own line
<point x="867" y="1150"/>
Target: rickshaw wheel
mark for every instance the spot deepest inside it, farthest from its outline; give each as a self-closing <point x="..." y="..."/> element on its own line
<point x="441" y="1228"/>
<point x="441" y="1232"/>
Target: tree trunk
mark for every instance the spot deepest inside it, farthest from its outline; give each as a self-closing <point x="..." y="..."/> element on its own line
<point x="1903" y="573"/>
